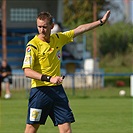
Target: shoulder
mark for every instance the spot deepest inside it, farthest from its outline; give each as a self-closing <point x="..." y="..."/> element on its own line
<point x="32" y="44"/>
<point x="69" y="33"/>
<point x="58" y="35"/>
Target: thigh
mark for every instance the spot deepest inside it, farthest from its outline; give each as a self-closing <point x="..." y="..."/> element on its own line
<point x="7" y="79"/>
<point x="62" y="112"/>
<point x="39" y="106"/>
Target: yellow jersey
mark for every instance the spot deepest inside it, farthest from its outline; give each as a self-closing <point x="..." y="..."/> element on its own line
<point x="44" y="57"/>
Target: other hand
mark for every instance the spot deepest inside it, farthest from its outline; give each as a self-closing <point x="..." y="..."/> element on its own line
<point x="106" y="16"/>
<point x="56" y="80"/>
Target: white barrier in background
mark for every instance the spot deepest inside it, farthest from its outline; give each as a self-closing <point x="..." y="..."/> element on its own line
<point x="70" y="81"/>
<point x="19" y="81"/>
<point x="131" y="85"/>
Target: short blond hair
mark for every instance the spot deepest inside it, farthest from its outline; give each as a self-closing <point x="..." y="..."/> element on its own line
<point x="46" y="15"/>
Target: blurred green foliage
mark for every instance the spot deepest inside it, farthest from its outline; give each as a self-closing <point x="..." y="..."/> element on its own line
<point x="77" y="12"/>
<point x="115" y="46"/>
<point x="116" y="39"/>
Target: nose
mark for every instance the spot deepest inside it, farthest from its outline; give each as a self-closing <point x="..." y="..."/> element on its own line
<point x="41" y="28"/>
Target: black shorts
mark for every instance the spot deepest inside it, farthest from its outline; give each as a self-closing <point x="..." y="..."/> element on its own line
<point x="7" y="79"/>
<point x="49" y="101"/>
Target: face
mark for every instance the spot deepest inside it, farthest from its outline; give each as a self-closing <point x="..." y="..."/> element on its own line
<point x="44" y="28"/>
<point x="4" y="63"/>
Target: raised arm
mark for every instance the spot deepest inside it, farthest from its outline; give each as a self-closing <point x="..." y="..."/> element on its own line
<point x="89" y="26"/>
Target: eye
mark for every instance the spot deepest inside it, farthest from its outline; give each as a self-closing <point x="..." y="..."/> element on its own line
<point x="42" y="27"/>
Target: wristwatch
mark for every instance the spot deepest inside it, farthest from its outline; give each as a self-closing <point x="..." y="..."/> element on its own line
<point x="101" y="22"/>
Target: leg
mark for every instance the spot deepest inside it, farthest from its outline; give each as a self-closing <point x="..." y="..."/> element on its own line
<point x="36" y="115"/>
<point x="8" y="94"/>
<point x="7" y="88"/>
<point x="31" y="128"/>
<point x="65" y="128"/>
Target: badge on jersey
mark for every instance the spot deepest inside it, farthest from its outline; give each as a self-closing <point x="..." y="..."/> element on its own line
<point x="27" y="60"/>
<point x="58" y="54"/>
<point x="28" y="49"/>
<point x="35" y="114"/>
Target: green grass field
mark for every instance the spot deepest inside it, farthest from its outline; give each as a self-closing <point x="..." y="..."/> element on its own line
<point x="95" y="110"/>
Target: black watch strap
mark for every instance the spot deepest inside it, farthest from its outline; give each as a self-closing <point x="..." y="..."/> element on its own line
<point x="45" y="78"/>
<point x="101" y="22"/>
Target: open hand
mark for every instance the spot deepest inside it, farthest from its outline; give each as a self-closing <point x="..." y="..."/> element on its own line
<point x="106" y="16"/>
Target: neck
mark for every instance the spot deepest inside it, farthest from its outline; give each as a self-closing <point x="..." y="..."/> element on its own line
<point x="44" y="38"/>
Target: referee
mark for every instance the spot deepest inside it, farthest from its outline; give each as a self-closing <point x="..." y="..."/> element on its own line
<point x="42" y="64"/>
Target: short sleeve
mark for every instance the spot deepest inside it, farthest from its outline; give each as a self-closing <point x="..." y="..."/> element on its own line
<point x="30" y="55"/>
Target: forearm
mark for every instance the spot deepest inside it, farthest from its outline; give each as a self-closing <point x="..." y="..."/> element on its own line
<point x="35" y="75"/>
<point x="4" y="74"/>
<point x="32" y="74"/>
<point x="89" y="26"/>
<point x="86" y="27"/>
